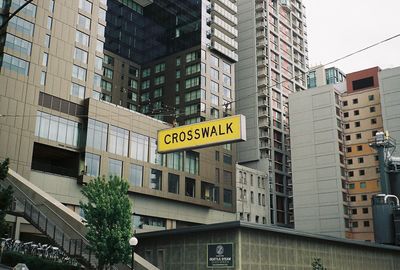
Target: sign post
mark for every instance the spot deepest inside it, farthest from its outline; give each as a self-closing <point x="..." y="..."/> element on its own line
<point x="214" y="132"/>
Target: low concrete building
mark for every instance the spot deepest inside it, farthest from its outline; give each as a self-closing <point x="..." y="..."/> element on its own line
<point x="246" y="246"/>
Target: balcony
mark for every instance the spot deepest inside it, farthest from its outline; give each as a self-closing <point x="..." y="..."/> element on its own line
<point x="231" y="7"/>
<point x="227" y="41"/>
<point x="263" y="92"/>
<point x="262" y="62"/>
<point x="263" y="82"/>
<point x="262" y="73"/>
<point x="222" y="26"/>
<point x="262" y="15"/>
<point x="228" y="17"/>
<point x="264" y="123"/>
<point x="261" y="43"/>
<point x="214" y="45"/>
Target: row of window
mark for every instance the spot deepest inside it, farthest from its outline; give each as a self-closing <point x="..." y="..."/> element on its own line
<point x="355" y="100"/>
<point x="364" y="198"/>
<point x="243" y="196"/>
<point x="115" y="168"/>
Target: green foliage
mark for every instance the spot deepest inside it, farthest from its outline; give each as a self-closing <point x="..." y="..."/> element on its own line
<point x="108" y="219"/>
<point x="33" y="263"/>
<point x="5" y="198"/>
<point x="317" y="264"/>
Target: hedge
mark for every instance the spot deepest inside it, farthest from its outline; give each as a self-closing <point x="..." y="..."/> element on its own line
<point x="33" y="263"/>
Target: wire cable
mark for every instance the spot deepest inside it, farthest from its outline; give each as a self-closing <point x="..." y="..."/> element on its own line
<point x="14" y="13"/>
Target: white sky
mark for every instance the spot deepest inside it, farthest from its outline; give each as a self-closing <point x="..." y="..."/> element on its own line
<point x="340" y="27"/>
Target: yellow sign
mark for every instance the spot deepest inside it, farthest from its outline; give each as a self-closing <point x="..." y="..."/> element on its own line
<point x="220" y="131"/>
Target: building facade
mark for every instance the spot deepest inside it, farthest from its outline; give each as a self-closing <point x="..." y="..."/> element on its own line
<point x="77" y="78"/>
<point x="251" y="201"/>
<point x="273" y="64"/>
<point x="319" y="75"/>
<point x="355" y="117"/>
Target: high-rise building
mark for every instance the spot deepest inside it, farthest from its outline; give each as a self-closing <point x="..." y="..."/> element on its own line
<point x="335" y="171"/>
<point x="77" y="78"/>
<point x="273" y="64"/>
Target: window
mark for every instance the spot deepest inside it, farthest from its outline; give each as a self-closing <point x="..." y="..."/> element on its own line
<point x="366" y="223"/>
<point x="190" y="187"/>
<point x="192" y="82"/>
<point x="139" y="145"/>
<point x="227" y="80"/>
<point x="214" y="74"/>
<point x="178" y="74"/>
<point x="92" y="164"/>
<point x="21" y="25"/>
<point x="373" y="121"/>
<point x="192" y="69"/>
<point x="227" y="159"/>
<point x="348" y="149"/>
<point x="81" y="55"/>
<point x="155" y="157"/>
<point x="97" y="135"/>
<point x="159" y="68"/>
<point x="363" y="185"/>
<point x="118" y="141"/>
<point x="357" y="124"/>
<point x="14" y="64"/>
<point x="347" y="126"/>
<point x="29" y="10"/>
<point x="98" y="63"/>
<point x="227" y="198"/>
<point x="217" y="155"/>
<point x="102" y="14"/>
<point x="371" y="109"/>
<point x="214" y="100"/>
<point x="49" y="22"/>
<point x="136" y="175"/>
<point x="355" y="101"/>
<point x="175" y="160"/>
<point x="227" y="92"/>
<point x="17" y="44"/>
<point x="47" y="41"/>
<point x="191" y="56"/>
<point x="214" y="86"/>
<point x="192" y="162"/>
<point x="107" y="86"/>
<point x="345" y="103"/>
<point x="226" y="67"/>
<point x="348" y="137"/>
<point x="133" y="83"/>
<point x="178" y="61"/>
<point x="99" y="46"/>
<point x="155" y="179"/>
<point x="85" y="6"/>
<point x="108" y="73"/>
<point x="358" y="136"/>
<point x="43" y="78"/>
<point x="360" y="160"/>
<point x="157" y="92"/>
<point x="227" y="177"/>
<point x="145" y="72"/>
<point x="352" y="198"/>
<point x="79" y="73"/>
<point x="83" y="22"/>
<point x="101" y="30"/>
<point x="371" y="97"/>
<point x="359" y="148"/>
<point x="351" y="173"/>
<point x="114" y="167"/>
<point x="351" y="186"/>
<point x="77" y="90"/>
<point x="356" y="112"/>
<point x="82" y="38"/>
<point x="354" y="224"/>
<point x="361" y="172"/>
<point x="214" y="60"/>
<point x="349" y="161"/>
<point x="364" y="197"/>
<point x="365" y="210"/>
<point x="346" y="114"/>
<point x="354" y="211"/>
<point x="159" y="80"/>
<point x="214" y="113"/>
<point x="173" y="183"/>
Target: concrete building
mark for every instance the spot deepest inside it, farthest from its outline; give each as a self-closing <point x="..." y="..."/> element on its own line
<point x="319" y="76"/>
<point x="355" y="118"/>
<point x="251" y="201"/>
<point x="254" y="246"/>
<point x="273" y="64"/>
<point x="362" y="118"/>
<point x="74" y="73"/>
<point x="389" y="85"/>
<point x="318" y="162"/>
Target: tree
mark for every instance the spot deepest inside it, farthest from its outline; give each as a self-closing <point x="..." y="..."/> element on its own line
<point x="317" y="264"/>
<point x="5" y="198"/>
<point x="108" y="219"/>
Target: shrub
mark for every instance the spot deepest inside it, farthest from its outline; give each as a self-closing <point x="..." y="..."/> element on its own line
<point x="33" y="263"/>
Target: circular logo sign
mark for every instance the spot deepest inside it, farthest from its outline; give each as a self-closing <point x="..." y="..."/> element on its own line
<point x="219" y="250"/>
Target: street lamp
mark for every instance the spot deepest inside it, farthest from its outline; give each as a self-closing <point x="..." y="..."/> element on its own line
<point x="133" y="242"/>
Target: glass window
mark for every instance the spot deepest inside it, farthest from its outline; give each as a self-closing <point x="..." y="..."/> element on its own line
<point x="45" y="59"/>
<point x="81" y="55"/>
<point x="85" y="6"/>
<point x="190" y="187"/>
<point x="108" y="60"/>
<point x="83" y="22"/>
<point x="51" y="6"/>
<point x="79" y="73"/>
<point x="133" y="83"/>
<point x="175" y="160"/>
<point x="192" y="162"/>
<point x="214" y="113"/>
<point x="77" y="90"/>
<point x="214" y="60"/>
<point x="43" y="78"/>
<point x="192" y="69"/>
<point x="191" y="56"/>
<point x="98" y="63"/>
<point x="57" y="129"/>
<point x="97" y="135"/>
<point x="145" y="72"/>
<point x="49" y="23"/>
<point x="178" y="61"/>
<point x="107" y="86"/>
<point x="115" y="167"/>
<point x="29" y="10"/>
<point x="159" y="80"/>
<point x="214" y="74"/>
<point x="139" y="145"/>
<point x="226" y="67"/>
<point x="82" y="38"/>
<point x="145" y="84"/>
<point x="108" y="73"/>
<point x="155" y="179"/>
<point x="192" y="82"/>
<point x="99" y="46"/>
<point x="136" y="175"/>
<point x="17" y="44"/>
<point x="227" y="198"/>
<point x="155" y="157"/>
<point x="21" y="25"/>
<point x="101" y="30"/>
<point x="92" y="164"/>
<point x="173" y="183"/>
<point x="228" y="177"/>
<point x="159" y="68"/>
<point x="118" y="141"/>
<point x="47" y="41"/>
<point x="214" y="86"/>
<point x="227" y="80"/>
<point x="214" y="100"/>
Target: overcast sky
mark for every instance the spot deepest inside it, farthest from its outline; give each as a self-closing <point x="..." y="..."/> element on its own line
<point x="340" y="27"/>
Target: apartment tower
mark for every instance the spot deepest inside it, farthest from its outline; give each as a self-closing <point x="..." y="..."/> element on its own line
<point x="273" y="64"/>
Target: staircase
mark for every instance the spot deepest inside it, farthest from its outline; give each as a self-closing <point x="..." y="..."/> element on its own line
<point x="63" y="226"/>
